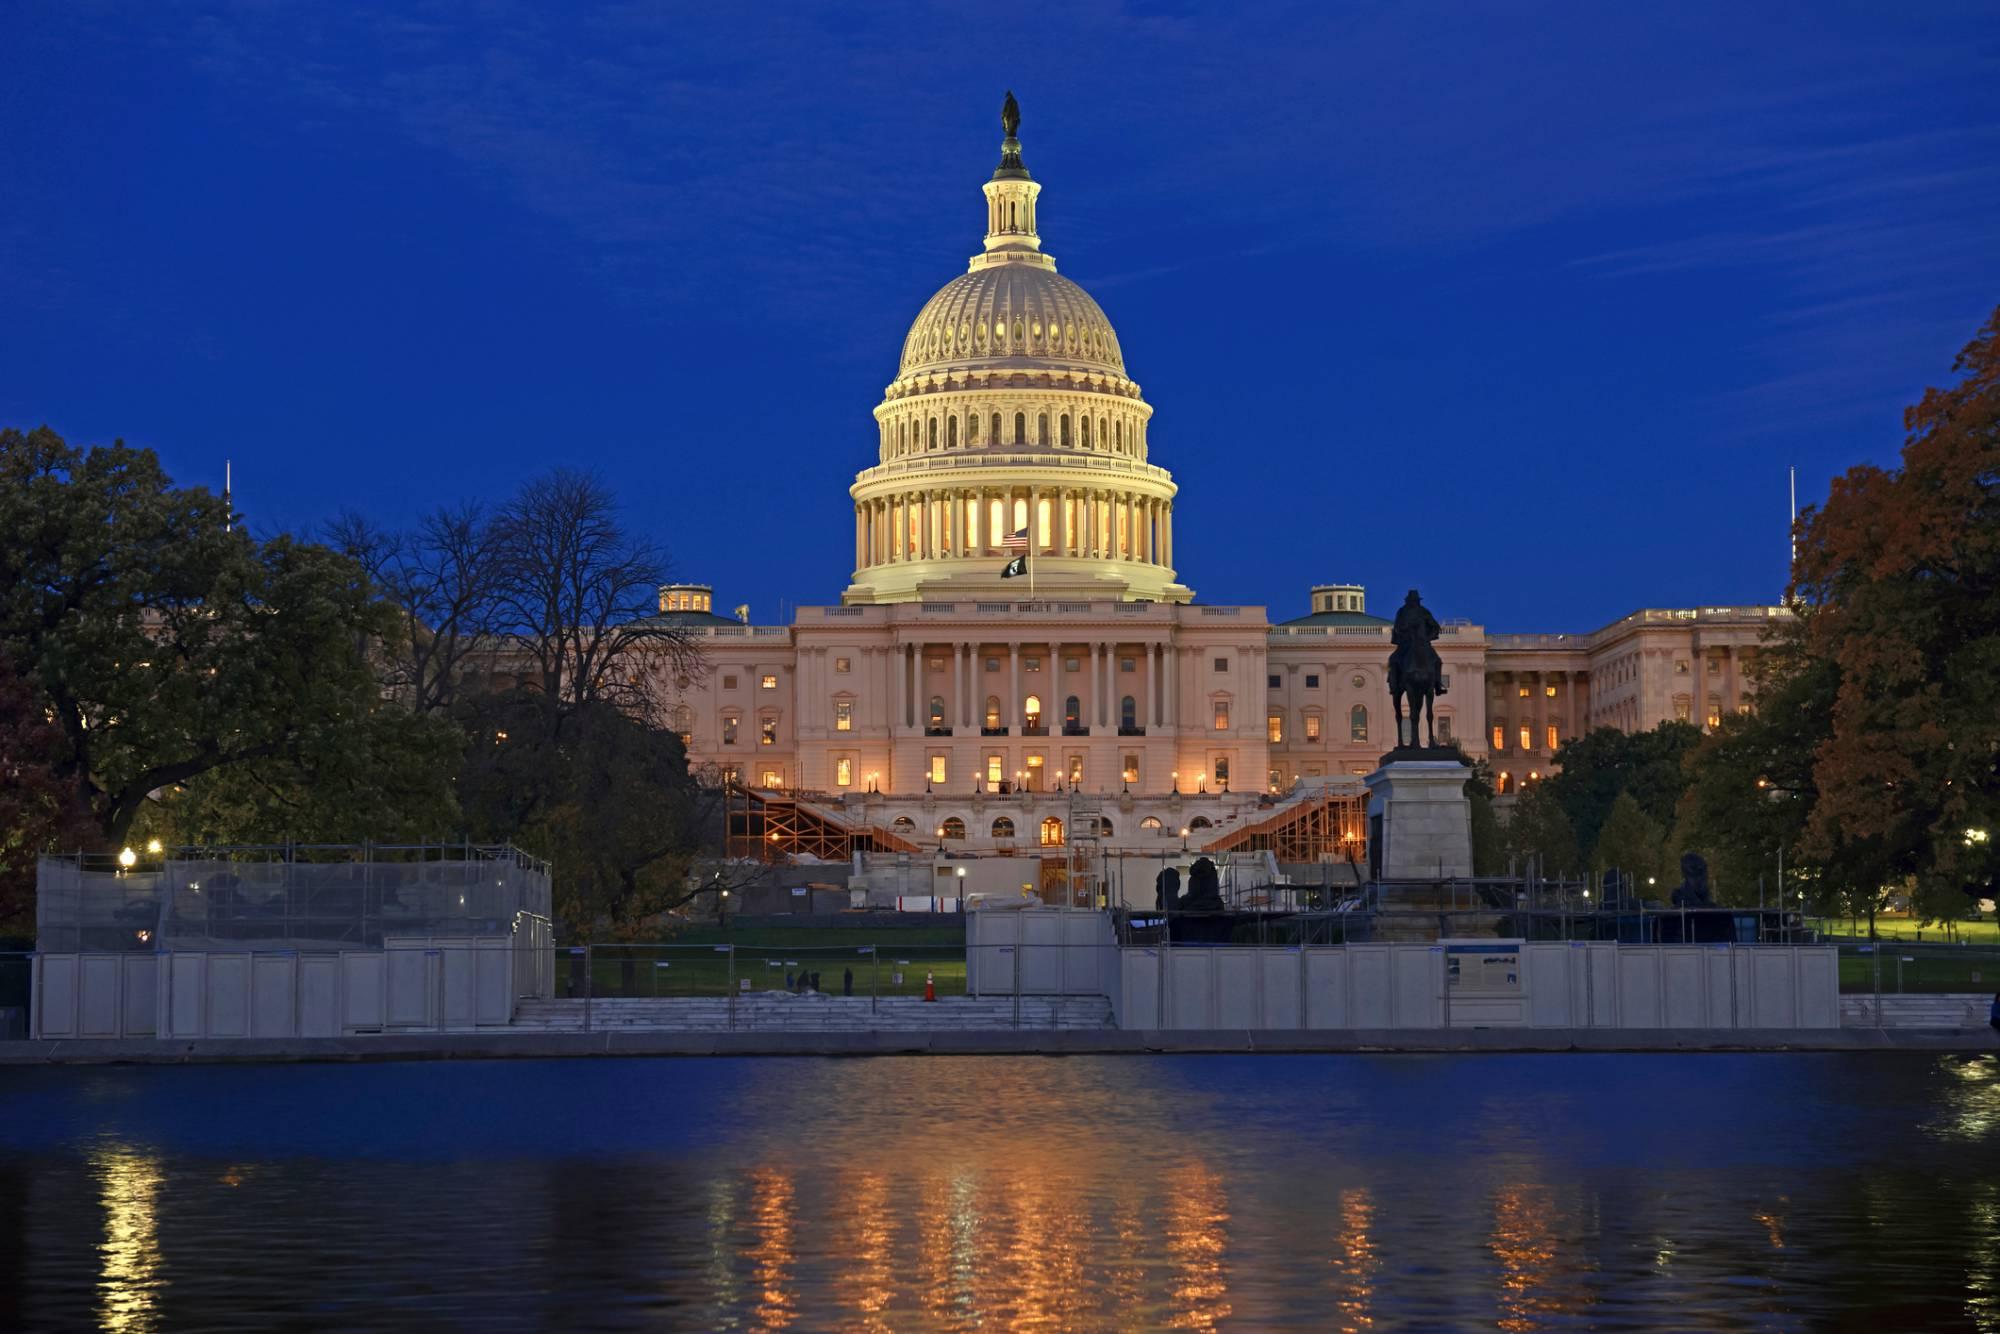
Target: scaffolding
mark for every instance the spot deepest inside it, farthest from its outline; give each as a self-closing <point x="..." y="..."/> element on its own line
<point x="770" y="825"/>
<point x="1322" y="826"/>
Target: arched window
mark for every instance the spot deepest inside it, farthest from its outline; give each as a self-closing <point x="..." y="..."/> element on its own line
<point x="904" y="825"/>
<point x="1065" y="429"/>
<point x="1199" y="822"/>
<point x="1128" y="712"/>
<point x="1103" y="428"/>
<point x="953" y="827"/>
<point x="1151" y="824"/>
<point x="1104" y="829"/>
<point x="1042" y="428"/>
<point x="683" y="723"/>
<point x="1086" y="433"/>
<point x="1003" y="828"/>
<point x="1072" y="712"/>
<point x="1020" y="428"/>
<point x="933" y="435"/>
<point x="1357" y="722"/>
<point x="951" y="433"/>
<point x="1031" y="710"/>
<point x="993" y="711"/>
<point x="937" y="710"/>
<point x="972" y="425"/>
<point x="996" y="428"/>
<point x="1118" y="435"/>
<point x="1052" y="832"/>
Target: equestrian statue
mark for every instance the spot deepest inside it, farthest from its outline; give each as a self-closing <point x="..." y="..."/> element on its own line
<point x="1416" y="673"/>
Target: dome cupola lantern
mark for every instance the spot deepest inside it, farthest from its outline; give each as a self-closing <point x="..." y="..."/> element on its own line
<point x="1010" y="201"/>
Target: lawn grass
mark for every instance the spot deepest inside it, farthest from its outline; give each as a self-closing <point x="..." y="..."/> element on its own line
<point x="1922" y="970"/>
<point x="1982" y="931"/>
<point x="703" y="970"/>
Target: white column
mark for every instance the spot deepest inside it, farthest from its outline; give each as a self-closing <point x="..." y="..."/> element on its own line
<point x="1012" y="720"/>
<point x="1152" y="687"/>
<point x="957" y="680"/>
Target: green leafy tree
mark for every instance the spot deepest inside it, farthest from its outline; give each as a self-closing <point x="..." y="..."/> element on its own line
<point x="166" y="642"/>
<point x="1538" y="832"/>
<point x="39" y="809"/>
<point x="1599" y="765"/>
<point x="1631" y="842"/>
<point x="1897" y="586"/>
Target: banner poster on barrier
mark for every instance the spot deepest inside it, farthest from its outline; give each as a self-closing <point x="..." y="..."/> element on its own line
<point x="1483" y="967"/>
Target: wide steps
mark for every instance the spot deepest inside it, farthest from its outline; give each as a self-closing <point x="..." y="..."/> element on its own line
<point x="810" y="1014"/>
<point x="1943" y="1010"/>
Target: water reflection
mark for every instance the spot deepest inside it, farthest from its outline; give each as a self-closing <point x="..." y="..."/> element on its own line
<point x="997" y="1193"/>
<point x="1355" y="1261"/>
<point x="770" y="1252"/>
<point x="128" y="1281"/>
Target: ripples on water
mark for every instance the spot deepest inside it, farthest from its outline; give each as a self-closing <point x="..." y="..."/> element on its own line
<point x="1339" y="1192"/>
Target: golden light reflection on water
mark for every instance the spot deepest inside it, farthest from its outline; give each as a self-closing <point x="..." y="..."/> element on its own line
<point x="772" y="1257"/>
<point x="1982" y="1275"/>
<point x="1972" y="1100"/>
<point x="128" y="1183"/>
<point x="1355" y="1261"/>
<point x="1197" y="1241"/>
<point x="1537" y="1282"/>
<point x="1773" y="1220"/>
<point x="867" y="1285"/>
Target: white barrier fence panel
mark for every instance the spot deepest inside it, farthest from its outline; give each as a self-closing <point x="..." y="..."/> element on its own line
<point x="1562" y="985"/>
<point x="410" y="985"/>
<point x="1052" y="951"/>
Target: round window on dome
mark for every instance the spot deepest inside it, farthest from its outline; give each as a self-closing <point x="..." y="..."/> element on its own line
<point x="1038" y="330"/>
<point x="999" y="332"/>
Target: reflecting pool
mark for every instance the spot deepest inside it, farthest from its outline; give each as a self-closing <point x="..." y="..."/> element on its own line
<point x="1321" y="1192"/>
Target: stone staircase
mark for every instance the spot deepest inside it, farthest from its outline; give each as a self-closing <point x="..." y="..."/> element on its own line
<point x="779" y="1012"/>
<point x="1943" y="1010"/>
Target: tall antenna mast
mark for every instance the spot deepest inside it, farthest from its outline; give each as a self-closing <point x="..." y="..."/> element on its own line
<point x="1794" y="529"/>
<point x="229" y="520"/>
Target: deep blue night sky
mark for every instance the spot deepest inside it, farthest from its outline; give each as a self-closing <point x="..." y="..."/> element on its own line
<point x="1573" y="283"/>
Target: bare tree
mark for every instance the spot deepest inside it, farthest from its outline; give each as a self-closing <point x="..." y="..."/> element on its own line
<point x="444" y="578"/>
<point x="576" y="596"/>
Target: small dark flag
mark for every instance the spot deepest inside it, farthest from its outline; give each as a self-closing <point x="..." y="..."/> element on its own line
<point x="1016" y="566"/>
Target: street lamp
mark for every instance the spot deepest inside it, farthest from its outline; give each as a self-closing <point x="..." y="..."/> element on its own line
<point x="127" y="859"/>
<point x="1184" y="838"/>
<point x="153" y="846"/>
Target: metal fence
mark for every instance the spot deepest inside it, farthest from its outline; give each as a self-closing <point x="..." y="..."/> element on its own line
<point x="288" y="896"/>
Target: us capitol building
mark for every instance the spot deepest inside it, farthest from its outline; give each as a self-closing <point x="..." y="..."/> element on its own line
<point x="940" y="705"/>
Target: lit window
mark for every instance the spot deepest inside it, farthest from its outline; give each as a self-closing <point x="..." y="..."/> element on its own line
<point x="1357" y="723"/>
<point x="732" y="776"/>
<point x="1274" y="728"/>
<point x="992" y="711"/>
<point x="1031" y="664"/>
<point x="842" y="664"/>
<point x="937" y="710"/>
<point x="993" y="769"/>
<point x="1076" y="770"/>
<point x="774" y="778"/>
<point x="1222" y="768"/>
<point x="843" y="715"/>
<point x="1150" y="824"/>
<point x="937" y="768"/>
<point x="1358" y="681"/>
<point x="1222" y="664"/>
<point x="1522" y="691"/>
<point x="843" y="772"/>
<point x="1003" y="828"/>
<point x="1312" y="680"/>
<point x="1052" y="832"/>
<point x="1222" y="715"/>
<point x="768" y="681"/>
<point x="1550" y="691"/>
<point x="1499" y="736"/>
<point x="729" y="722"/>
<point x="1680" y="667"/>
<point x="767" y="732"/>
<point x="934" y="664"/>
<point x="1527" y="736"/>
<point x="1554" y="741"/>
<point x="1503" y="783"/>
<point x="1312" y="727"/>
<point x="1131" y="768"/>
<point x="1031" y="710"/>
<point x="1682" y="709"/>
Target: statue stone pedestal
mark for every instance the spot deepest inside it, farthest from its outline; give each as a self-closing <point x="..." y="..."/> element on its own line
<point x="1419" y="820"/>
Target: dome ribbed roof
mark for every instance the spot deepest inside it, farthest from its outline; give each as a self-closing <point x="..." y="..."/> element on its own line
<point x="1007" y="315"/>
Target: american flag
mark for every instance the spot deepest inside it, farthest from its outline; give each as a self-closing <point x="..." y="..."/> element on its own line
<point x="1015" y="541"/>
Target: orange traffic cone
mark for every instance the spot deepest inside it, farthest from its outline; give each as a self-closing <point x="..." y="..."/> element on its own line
<point x="930" y="987"/>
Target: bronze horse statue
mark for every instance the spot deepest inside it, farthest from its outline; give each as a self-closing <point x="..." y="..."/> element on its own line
<point x="1416" y="673"/>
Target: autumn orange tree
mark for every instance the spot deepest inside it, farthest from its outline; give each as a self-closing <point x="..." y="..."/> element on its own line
<point x="1897" y="586"/>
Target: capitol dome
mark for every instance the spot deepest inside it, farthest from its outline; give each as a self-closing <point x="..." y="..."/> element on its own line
<point x="1007" y="313"/>
<point x="1012" y="427"/>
